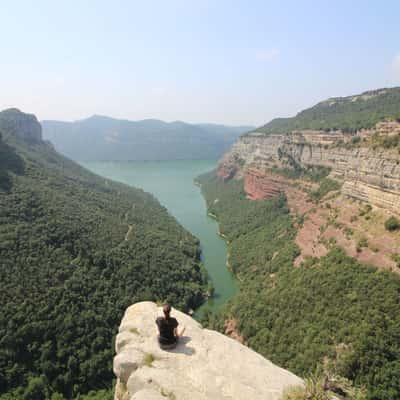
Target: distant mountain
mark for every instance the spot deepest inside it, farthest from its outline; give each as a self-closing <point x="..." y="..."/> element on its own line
<point x="102" y="139"/>
<point x="348" y="114"/>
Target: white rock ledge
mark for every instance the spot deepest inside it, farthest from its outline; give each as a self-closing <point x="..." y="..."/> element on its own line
<point x="204" y="365"/>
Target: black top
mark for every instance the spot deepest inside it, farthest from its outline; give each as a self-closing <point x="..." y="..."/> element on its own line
<point x="166" y="328"/>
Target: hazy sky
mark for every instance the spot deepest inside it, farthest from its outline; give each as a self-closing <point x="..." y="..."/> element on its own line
<point x="233" y="62"/>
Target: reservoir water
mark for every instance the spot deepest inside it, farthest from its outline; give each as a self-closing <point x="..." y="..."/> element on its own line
<point x="172" y="182"/>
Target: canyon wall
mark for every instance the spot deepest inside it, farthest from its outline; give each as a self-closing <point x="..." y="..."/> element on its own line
<point x="259" y="185"/>
<point x="370" y="175"/>
<point x="24" y="126"/>
<point x="205" y="365"/>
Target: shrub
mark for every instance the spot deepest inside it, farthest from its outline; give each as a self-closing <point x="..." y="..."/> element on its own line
<point x="390" y="141"/>
<point x="323" y="385"/>
<point x="365" y="210"/>
<point x="363" y="242"/>
<point x="348" y="232"/>
<point x="355" y="139"/>
<point x="392" y="224"/>
<point x="396" y="259"/>
<point x="148" y="359"/>
<point x="353" y="218"/>
<point x="327" y="185"/>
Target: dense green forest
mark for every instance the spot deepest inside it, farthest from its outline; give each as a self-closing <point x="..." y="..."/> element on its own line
<point x="76" y="250"/>
<point x="331" y="310"/>
<point x="346" y="113"/>
<point x="248" y="225"/>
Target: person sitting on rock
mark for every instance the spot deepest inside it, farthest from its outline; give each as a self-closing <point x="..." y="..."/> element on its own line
<point x="168" y="329"/>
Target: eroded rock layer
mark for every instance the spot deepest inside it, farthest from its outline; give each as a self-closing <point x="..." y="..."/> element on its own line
<point x="370" y="175"/>
<point x="205" y="365"/>
<point x="226" y="172"/>
<point x="259" y="185"/>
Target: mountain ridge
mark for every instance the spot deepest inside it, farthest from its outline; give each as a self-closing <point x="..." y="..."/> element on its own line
<point x="102" y="138"/>
<point x="347" y="113"/>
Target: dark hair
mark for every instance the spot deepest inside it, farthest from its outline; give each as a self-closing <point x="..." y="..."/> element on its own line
<point x="166" y="310"/>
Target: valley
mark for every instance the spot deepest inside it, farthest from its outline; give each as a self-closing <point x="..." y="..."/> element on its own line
<point x="295" y="246"/>
<point x="200" y="200"/>
<point x="173" y="184"/>
<point x="309" y="206"/>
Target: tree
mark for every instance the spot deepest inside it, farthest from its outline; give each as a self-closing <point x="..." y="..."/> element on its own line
<point x="36" y="389"/>
<point x="392" y="224"/>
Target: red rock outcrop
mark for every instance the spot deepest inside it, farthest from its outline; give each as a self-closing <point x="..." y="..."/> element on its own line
<point x="260" y="185"/>
<point x="226" y="171"/>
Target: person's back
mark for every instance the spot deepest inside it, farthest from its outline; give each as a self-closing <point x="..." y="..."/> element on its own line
<point x="167" y="328"/>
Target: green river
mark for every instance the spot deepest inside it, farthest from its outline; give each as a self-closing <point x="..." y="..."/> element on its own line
<point x="172" y="182"/>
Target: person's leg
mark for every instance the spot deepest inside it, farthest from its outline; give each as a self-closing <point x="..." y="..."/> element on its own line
<point x="168" y="346"/>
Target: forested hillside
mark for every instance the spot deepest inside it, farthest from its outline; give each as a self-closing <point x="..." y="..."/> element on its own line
<point x="332" y="313"/>
<point x="100" y="138"/>
<point x="75" y="251"/>
<point x="346" y="113"/>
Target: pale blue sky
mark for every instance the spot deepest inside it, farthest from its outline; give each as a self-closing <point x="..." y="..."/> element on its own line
<point x="234" y="62"/>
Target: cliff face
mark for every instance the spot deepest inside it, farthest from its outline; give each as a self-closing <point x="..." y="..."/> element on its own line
<point x="368" y="175"/>
<point x="24" y="126"/>
<point x="205" y="365"/>
<point x="258" y="185"/>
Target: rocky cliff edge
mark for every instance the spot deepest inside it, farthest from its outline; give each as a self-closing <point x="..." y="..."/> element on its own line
<point x="205" y="364"/>
<point x="24" y="126"/>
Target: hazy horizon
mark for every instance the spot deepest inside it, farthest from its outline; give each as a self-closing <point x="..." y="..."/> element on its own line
<point x="142" y="120"/>
<point x="219" y="62"/>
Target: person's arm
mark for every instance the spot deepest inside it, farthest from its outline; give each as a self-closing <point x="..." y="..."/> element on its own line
<point x="158" y="326"/>
<point x="181" y="332"/>
<point x="177" y="333"/>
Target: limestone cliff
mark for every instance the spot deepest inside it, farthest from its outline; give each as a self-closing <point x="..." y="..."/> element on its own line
<point x="370" y="175"/>
<point x="205" y="364"/>
<point x="24" y="126"/>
